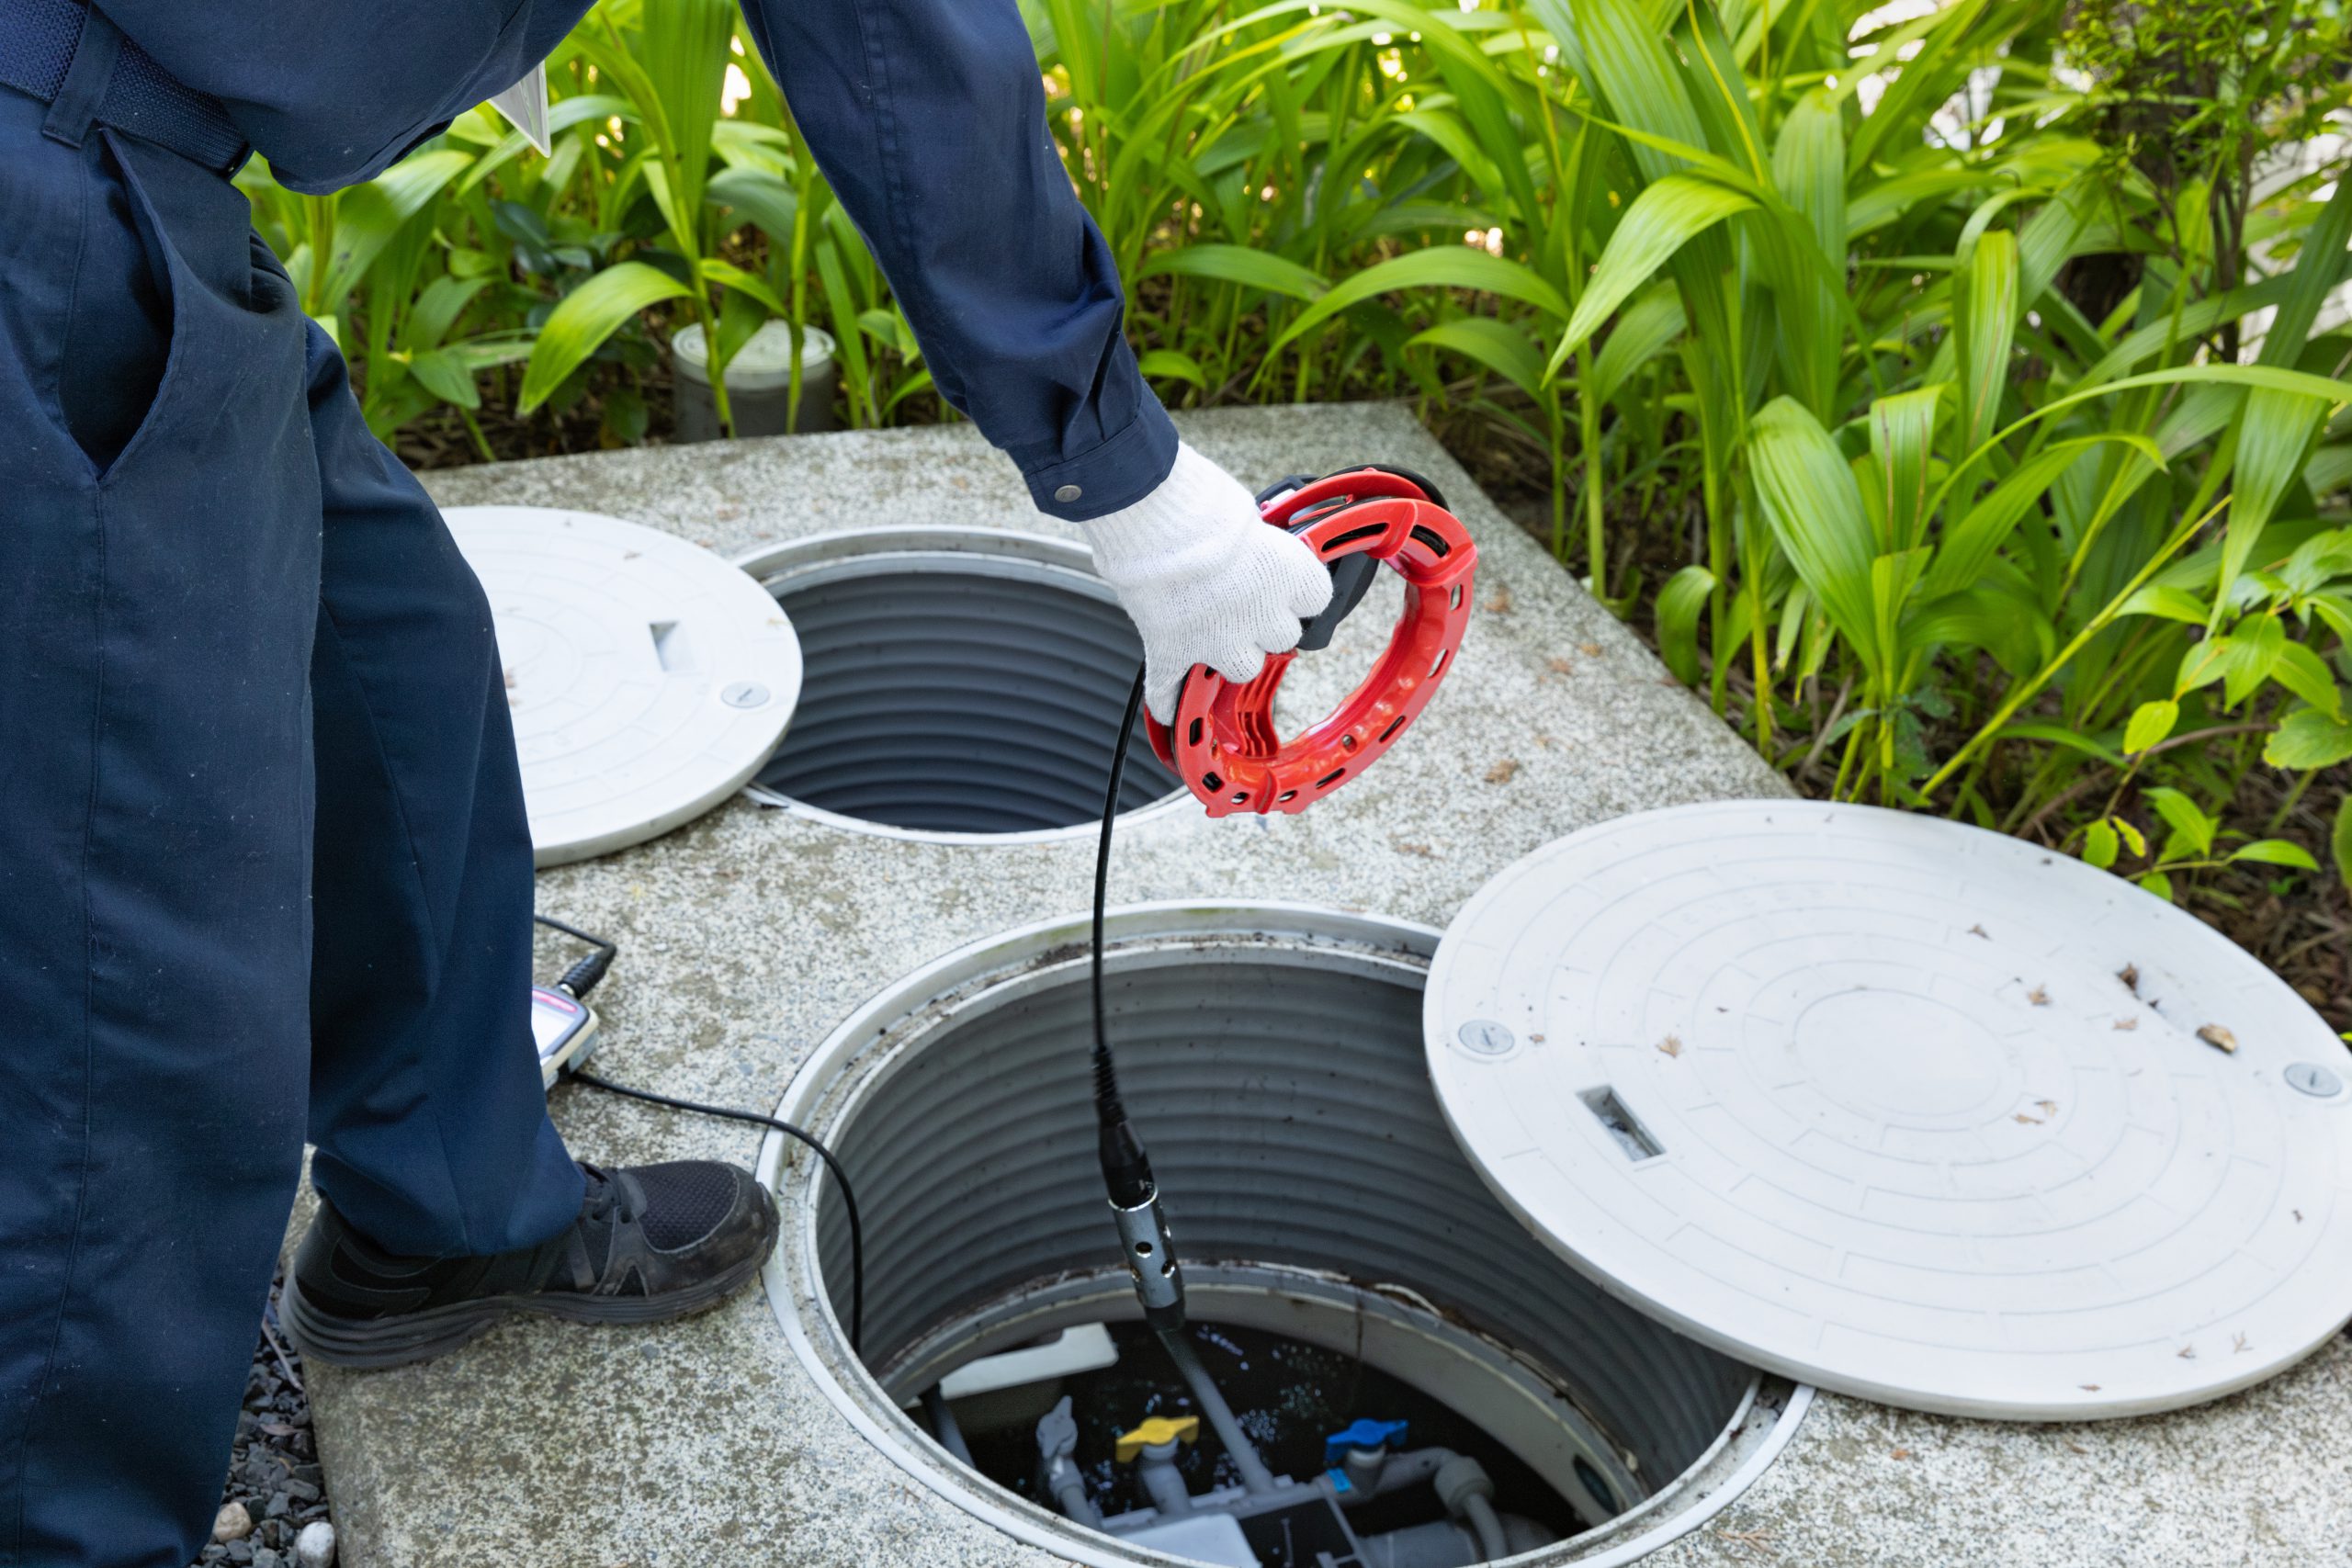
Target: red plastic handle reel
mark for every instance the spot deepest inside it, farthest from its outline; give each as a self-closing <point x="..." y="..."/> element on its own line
<point x="1223" y="743"/>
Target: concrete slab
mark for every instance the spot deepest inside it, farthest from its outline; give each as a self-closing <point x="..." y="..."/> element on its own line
<point x="747" y="935"/>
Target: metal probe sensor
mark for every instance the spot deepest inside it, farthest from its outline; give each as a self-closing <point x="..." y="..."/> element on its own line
<point x="1144" y="1240"/>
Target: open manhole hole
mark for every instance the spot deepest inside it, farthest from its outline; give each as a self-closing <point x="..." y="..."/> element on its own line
<point x="959" y="683"/>
<point x="1344" y="1262"/>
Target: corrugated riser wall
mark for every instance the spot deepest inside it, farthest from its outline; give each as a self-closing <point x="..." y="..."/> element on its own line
<point x="1290" y="1120"/>
<point x="960" y="701"/>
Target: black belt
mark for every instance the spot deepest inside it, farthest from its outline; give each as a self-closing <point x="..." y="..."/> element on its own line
<point x="68" y="56"/>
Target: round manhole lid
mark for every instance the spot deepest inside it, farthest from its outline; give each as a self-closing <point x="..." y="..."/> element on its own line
<point x="648" y="679"/>
<point x="1912" y="1111"/>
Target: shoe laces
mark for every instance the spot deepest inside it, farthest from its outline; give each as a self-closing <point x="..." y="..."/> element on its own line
<point x="607" y="1199"/>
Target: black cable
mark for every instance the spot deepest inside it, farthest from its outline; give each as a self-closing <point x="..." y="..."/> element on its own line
<point x="1127" y="1173"/>
<point x="1103" y="875"/>
<point x="583" y="977"/>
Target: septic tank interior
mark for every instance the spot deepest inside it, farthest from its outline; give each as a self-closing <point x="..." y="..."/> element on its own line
<point x="762" y="945"/>
<point x="959" y="682"/>
<point x="1366" y="1303"/>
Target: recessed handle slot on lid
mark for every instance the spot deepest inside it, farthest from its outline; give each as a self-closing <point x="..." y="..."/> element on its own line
<point x="1622" y="1126"/>
<point x="671" y="647"/>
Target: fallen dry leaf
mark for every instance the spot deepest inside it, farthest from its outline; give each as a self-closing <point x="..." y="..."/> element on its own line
<point x="2049" y="1107"/>
<point x="1503" y="771"/>
<point x="2129" y="976"/>
<point x="1499" y="603"/>
<point x="2076" y="1447"/>
<point x="2088" y="1387"/>
<point x="1671" y="1045"/>
<point x="2238" y="1345"/>
<point x="2187" y="1352"/>
<point x="1591" y="650"/>
<point x="1980" y="931"/>
<point x="1562" y="667"/>
<point x="1537" y="1039"/>
<point x="2039" y="996"/>
<point x="1412" y="849"/>
<point x="1900" y="1453"/>
<point x="2029" y="1120"/>
<point x="2221" y="1039"/>
<point x="2127" y="1023"/>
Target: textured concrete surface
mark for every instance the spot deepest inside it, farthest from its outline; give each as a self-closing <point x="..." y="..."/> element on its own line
<point x="747" y="935"/>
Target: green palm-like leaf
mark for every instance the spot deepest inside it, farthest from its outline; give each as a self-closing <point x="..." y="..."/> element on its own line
<point x="1649" y="324"/>
<point x="1445" y="266"/>
<point x="1668" y="214"/>
<point x="440" y="372"/>
<point x="368" y="217"/>
<point x="1809" y="166"/>
<point x="1172" y="364"/>
<point x="1678" y="607"/>
<point x="1903" y="435"/>
<point x="758" y="196"/>
<point x="684" y="46"/>
<point x="1985" y="330"/>
<point x="1808" y="496"/>
<point x="1500" y="346"/>
<point x="578" y="327"/>
<point x="1970" y="545"/>
<point x="1238" y="264"/>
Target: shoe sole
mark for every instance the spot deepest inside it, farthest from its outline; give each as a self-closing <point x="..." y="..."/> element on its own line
<point x="371" y="1344"/>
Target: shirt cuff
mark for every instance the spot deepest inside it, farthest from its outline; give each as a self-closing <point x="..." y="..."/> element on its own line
<point x="1117" y="472"/>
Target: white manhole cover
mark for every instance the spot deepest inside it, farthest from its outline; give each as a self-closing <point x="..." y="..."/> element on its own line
<point x="1909" y="1110"/>
<point x="648" y="679"/>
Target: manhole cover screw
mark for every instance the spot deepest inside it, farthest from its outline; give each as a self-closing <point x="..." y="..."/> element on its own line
<point x="744" y="694"/>
<point x="2314" y="1079"/>
<point x="1486" y="1037"/>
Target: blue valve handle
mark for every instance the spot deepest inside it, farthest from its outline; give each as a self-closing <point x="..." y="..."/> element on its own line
<point x="1363" y="1434"/>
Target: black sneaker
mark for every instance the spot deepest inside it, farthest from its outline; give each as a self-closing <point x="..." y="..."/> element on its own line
<point x="653" y="1242"/>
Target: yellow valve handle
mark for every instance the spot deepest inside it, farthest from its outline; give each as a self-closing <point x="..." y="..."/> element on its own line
<point x="1158" y="1429"/>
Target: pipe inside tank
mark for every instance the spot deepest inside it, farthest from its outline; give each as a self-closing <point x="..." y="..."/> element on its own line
<point x="1275" y="1056"/>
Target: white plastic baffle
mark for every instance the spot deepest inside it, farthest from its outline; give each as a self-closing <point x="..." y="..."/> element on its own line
<point x="1904" y="1109"/>
<point x="647" y="678"/>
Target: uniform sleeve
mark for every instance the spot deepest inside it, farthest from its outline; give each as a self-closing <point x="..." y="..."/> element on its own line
<point x="928" y="116"/>
<point x="333" y="92"/>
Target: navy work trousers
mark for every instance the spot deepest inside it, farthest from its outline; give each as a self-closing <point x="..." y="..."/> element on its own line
<point x="264" y="863"/>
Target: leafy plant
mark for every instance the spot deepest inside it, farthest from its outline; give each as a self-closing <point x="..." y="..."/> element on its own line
<point x="1954" y="391"/>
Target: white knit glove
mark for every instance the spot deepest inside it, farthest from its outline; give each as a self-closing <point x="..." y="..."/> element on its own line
<point x="1204" y="579"/>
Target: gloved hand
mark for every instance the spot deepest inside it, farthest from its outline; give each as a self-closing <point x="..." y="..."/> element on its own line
<point x="1204" y="580"/>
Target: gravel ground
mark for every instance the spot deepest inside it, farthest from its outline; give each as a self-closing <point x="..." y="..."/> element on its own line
<point x="275" y="1493"/>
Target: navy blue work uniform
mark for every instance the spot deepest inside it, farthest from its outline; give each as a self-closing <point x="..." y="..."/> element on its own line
<point x="265" y="872"/>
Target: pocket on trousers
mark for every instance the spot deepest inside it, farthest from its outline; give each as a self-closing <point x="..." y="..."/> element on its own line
<point x="119" y="330"/>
